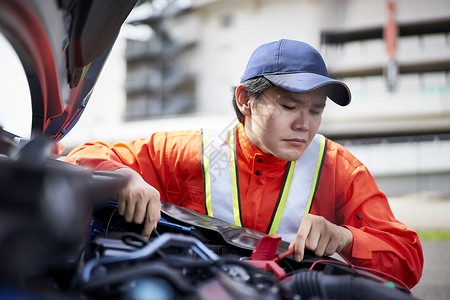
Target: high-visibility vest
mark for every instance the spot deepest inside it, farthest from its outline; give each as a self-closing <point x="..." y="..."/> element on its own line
<point x="221" y="183"/>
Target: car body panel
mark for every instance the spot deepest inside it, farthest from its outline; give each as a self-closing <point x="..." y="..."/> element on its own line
<point x="63" y="46"/>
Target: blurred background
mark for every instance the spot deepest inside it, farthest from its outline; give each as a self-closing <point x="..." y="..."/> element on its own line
<point x="175" y="62"/>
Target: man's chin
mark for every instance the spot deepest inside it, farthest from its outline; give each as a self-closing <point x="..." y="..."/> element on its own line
<point x="290" y="155"/>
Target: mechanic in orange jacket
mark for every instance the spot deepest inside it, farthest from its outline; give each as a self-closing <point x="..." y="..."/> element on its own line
<point x="273" y="172"/>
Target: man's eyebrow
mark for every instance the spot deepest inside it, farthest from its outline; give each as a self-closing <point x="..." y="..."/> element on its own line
<point x="321" y="104"/>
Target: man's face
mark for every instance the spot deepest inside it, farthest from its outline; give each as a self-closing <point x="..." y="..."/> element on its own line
<point x="283" y="123"/>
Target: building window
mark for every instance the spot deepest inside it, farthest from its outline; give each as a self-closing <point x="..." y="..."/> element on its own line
<point x="159" y="80"/>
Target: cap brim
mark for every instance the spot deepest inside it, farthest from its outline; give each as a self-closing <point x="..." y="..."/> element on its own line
<point x="305" y="82"/>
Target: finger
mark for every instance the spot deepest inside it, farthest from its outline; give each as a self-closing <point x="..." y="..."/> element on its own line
<point x="331" y="248"/>
<point x="300" y="239"/>
<point x="129" y="211"/>
<point x="120" y="205"/>
<point x="140" y="212"/>
<point x="314" y="238"/>
<point x="152" y="217"/>
<point x="319" y="236"/>
<point x="322" y="245"/>
<point x="148" y="228"/>
<point x="149" y="225"/>
<point x="291" y="244"/>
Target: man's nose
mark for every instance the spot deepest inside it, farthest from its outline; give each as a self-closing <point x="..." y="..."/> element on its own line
<point x="301" y="121"/>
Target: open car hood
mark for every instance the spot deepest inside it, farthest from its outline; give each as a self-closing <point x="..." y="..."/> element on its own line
<point x="62" y="45"/>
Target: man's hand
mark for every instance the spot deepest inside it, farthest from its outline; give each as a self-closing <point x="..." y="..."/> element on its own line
<point x="139" y="202"/>
<point x="320" y="236"/>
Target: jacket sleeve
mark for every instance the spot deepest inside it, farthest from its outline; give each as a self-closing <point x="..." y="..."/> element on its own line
<point x="380" y="241"/>
<point x="168" y="161"/>
<point x="137" y="155"/>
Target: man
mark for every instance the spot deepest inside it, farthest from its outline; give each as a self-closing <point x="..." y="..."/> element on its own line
<point x="272" y="172"/>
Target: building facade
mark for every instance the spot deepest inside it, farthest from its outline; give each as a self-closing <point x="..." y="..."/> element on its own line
<point x="395" y="57"/>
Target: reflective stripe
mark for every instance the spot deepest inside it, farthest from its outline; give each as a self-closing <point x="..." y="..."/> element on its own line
<point x="221" y="181"/>
<point x="319" y="164"/>
<point x="281" y="203"/>
<point x="206" y="175"/>
<point x="303" y="188"/>
<point x="235" y="179"/>
<point x="218" y="186"/>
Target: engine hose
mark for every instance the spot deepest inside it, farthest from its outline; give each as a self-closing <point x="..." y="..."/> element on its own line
<point x="316" y="285"/>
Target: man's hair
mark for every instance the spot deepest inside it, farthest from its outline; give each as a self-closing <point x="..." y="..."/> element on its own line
<point x="255" y="87"/>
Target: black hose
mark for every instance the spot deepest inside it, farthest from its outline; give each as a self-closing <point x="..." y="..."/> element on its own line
<point x="316" y="285"/>
<point x="149" y="270"/>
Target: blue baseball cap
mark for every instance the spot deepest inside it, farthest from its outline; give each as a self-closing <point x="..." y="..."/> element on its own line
<point x="295" y="66"/>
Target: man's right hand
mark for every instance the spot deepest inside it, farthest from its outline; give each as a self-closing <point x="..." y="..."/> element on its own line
<point x="139" y="202"/>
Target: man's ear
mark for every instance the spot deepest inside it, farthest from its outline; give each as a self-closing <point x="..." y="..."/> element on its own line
<point x="243" y="100"/>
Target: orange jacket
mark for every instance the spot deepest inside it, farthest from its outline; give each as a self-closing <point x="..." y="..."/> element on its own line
<point x="347" y="195"/>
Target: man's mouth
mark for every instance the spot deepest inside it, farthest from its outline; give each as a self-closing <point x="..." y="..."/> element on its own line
<point x="296" y="142"/>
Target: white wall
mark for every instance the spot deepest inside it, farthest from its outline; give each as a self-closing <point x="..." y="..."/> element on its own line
<point x="222" y="52"/>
